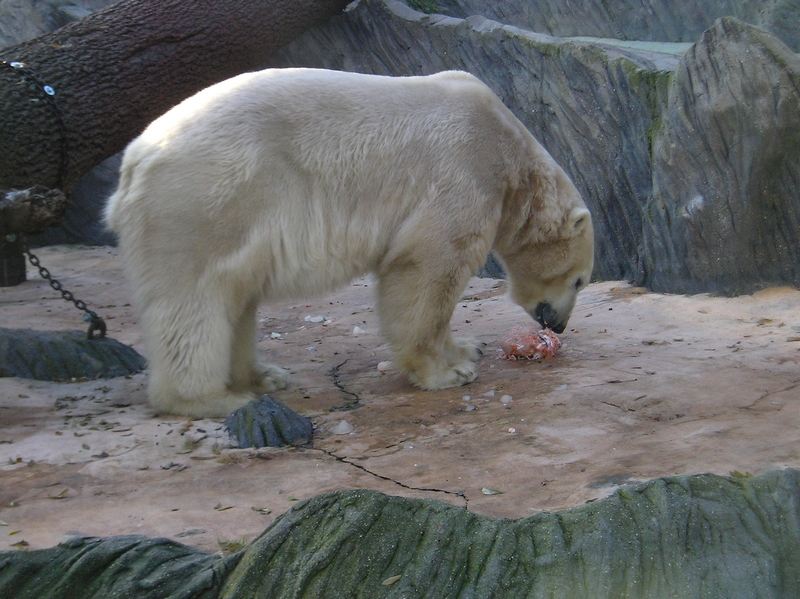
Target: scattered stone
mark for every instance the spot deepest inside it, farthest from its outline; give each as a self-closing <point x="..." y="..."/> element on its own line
<point x="64" y="356"/>
<point x="265" y="422"/>
<point x="343" y="428"/>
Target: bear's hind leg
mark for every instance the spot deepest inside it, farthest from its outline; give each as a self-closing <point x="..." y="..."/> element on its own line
<point x="246" y="373"/>
<point x="189" y="352"/>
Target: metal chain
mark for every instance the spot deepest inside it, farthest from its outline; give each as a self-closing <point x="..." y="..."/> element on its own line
<point x="50" y="96"/>
<point x="96" y="324"/>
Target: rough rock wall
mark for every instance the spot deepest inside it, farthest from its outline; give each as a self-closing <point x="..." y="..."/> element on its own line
<point x="601" y="108"/>
<point x="725" y="210"/>
<point x="22" y="20"/>
<point x="645" y="20"/>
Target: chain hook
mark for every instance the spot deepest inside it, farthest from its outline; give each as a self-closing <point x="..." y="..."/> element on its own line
<point x="96" y="325"/>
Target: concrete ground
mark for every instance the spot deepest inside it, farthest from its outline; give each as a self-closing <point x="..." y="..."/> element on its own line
<point x="644" y="385"/>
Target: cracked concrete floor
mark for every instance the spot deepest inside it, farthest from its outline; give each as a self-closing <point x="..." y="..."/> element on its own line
<point x="644" y="385"/>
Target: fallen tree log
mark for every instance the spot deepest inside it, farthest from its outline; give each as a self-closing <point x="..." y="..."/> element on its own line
<point x="73" y="97"/>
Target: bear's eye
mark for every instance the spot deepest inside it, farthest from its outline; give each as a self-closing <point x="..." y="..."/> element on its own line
<point x="578" y="283"/>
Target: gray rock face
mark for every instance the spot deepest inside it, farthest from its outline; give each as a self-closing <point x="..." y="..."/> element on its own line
<point x="22" y="20"/>
<point x="602" y="108"/>
<point x="725" y="215"/>
<point x="645" y="20"/>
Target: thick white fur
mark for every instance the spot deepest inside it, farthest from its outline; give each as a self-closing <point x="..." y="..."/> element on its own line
<point x="289" y="183"/>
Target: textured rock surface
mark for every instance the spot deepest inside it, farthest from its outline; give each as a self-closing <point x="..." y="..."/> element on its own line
<point x="265" y="422"/>
<point x="22" y="20"/>
<point x="124" y="566"/>
<point x="646" y="20"/>
<point x="64" y="355"/>
<point x="601" y="107"/>
<point x="725" y="215"/>
<point x="697" y="536"/>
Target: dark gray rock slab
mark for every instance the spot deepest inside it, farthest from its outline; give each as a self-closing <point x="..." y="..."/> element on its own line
<point x="644" y="20"/>
<point x="265" y="422"/>
<point x="64" y="355"/>
<point x="704" y="536"/>
<point x="725" y="214"/>
<point x="23" y="20"/>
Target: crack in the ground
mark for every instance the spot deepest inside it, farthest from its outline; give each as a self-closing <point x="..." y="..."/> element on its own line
<point x="767" y="394"/>
<point x="353" y="401"/>
<point x="344" y="460"/>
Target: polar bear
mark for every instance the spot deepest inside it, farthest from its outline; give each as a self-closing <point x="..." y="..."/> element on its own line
<point x="289" y="183"/>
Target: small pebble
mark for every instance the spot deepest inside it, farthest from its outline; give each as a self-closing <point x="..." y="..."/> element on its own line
<point x="466" y="398"/>
<point x="469" y="408"/>
<point x="314" y="318"/>
<point x="489" y="393"/>
<point x="343" y="428"/>
<point x="384" y="366"/>
<point x="506" y="399"/>
<point x="276" y="336"/>
<point x="358" y="331"/>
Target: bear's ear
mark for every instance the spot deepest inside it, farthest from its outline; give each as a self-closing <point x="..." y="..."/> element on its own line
<point x="579" y="219"/>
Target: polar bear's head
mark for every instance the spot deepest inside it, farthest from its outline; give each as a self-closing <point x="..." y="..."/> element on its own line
<point x="549" y="258"/>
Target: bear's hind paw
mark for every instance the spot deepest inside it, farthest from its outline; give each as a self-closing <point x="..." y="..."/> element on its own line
<point x="270" y="378"/>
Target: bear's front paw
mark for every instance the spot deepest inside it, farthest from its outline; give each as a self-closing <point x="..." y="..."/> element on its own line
<point x="463" y="349"/>
<point x="270" y="378"/>
<point x="452" y="376"/>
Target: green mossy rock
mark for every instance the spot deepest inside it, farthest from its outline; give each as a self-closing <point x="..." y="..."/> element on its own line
<point x="125" y="567"/>
<point x="64" y="355"/>
<point x="699" y="537"/>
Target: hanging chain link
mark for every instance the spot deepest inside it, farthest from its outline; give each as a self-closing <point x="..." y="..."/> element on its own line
<point x="96" y="324"/>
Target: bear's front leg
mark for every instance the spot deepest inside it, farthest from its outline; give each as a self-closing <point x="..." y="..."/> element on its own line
<point x="415" y="305"/>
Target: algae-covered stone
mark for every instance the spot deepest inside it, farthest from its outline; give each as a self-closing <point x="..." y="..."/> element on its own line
<point x="696" y="536"/>
<point x="704" y="537"/>
<point x="265" y="422"/>
<point x="64" y="355"/>
<point x="124" y="567"/>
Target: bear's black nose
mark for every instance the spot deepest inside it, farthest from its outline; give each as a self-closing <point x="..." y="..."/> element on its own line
<point x="544" y="314"/>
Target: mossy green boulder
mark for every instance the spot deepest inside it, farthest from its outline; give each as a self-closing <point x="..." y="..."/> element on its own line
<point x="698" y="537"/>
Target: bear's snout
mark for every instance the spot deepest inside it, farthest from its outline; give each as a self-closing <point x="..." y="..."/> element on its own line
<point x="546" y="316"/>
